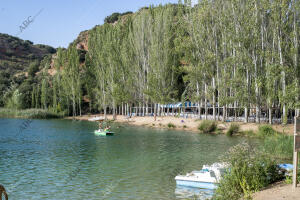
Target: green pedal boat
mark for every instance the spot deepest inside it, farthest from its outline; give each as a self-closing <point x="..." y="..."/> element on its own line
<point x="103" y="132"/>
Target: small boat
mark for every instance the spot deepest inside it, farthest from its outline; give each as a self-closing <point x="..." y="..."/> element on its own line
<point x="103" y="132"/>
<point x="207" y="178"/>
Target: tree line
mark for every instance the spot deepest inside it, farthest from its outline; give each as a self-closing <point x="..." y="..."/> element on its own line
<point x="241" y="57"/>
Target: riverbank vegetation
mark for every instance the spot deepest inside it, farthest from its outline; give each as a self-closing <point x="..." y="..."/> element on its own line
<point x="253" y="168"/>
<point x="29" y="113"/>
<point x="233" y="129"/>
<point x="207" y="126"/>
<point x="235" y="59"/>
<point x="250" y="171"/>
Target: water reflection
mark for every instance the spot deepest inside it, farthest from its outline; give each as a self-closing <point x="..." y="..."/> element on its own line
<point x="182" y="192"/>
<point x="63" y="159"/>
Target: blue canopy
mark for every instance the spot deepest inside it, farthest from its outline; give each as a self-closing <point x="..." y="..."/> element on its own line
<point x="180" y="105"/>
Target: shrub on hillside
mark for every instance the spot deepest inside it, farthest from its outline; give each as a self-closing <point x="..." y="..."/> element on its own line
<point x="112" y="18"/>
<point x="207" y="126"/>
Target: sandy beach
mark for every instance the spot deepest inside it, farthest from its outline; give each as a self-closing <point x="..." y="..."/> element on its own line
<point x="188" y="124"/>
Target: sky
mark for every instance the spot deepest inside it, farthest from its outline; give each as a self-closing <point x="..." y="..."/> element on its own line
<point x="58" y="22"/>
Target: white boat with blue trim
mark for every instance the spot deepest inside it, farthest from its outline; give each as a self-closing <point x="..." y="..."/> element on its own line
<point x="207" y="178"/>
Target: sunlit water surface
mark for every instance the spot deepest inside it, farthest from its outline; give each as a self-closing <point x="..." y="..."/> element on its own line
<point x="63" y="159"/>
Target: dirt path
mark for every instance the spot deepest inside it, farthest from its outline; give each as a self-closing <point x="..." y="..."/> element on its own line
<point x="278" y="191"/>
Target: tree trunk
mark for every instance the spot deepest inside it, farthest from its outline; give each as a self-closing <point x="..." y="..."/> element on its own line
<point x="79" y="103"/>
<point x="199" y="110"/>
<point x="235" y="114"/>
<point x="257" y="106"/>
<point x="284" y="114"/>
<point x="147" y="107"/>
<point x="270" y="115"/>
<point x="114" y="111"/>
<point x="205" y="102"/>
<point x="214" y="99"/>
<point x="246" y="114"/>
<point x="224" y="113"/>
<point x="155" y="108"/>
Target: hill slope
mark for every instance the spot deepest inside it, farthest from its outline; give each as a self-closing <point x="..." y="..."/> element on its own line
<point x="16" y="54"/>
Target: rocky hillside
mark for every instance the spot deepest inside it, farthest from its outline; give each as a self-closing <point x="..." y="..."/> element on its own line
<point x="16" y="54"/>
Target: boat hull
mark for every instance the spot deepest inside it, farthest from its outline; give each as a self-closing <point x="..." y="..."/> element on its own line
<point x="103" y="133"/>
<point x="197" y="184"/>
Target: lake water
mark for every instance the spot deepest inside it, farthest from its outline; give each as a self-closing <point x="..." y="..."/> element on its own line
<point x="63" y="159"/>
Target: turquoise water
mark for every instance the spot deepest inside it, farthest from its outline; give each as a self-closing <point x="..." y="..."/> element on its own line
<point x="63" y="159"/>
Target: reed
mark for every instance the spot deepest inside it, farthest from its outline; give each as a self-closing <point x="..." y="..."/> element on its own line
<point x="279" y="146"/>
<point x="30" y="113"/>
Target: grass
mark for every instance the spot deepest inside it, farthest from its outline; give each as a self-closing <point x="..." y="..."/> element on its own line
<point x="275" y="144"/>
<point x="171" y="125"/>
<point x="279" y="146"/>
<point x="248" y="133"/>
<point x="29" y="113"/>
<point x="233" y="129"/>
<point x="207" y="127"/>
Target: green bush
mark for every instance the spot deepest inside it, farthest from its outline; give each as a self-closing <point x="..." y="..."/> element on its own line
<point x="266" y="130"/>
<point x="170" y="125"/>
<point x="233" y="129"/>
<point x="207" y="126"/>
<point x="249" y="171"/>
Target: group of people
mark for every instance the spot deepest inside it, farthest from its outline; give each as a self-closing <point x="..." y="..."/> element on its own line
<point x="107" y="128"/>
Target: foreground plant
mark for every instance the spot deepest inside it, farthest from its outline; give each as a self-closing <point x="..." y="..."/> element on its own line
<point x="249" y="171"/>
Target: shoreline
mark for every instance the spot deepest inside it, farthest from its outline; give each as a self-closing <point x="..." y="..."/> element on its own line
<point x="184" y="124"/>
<point x="276" y="191"/>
